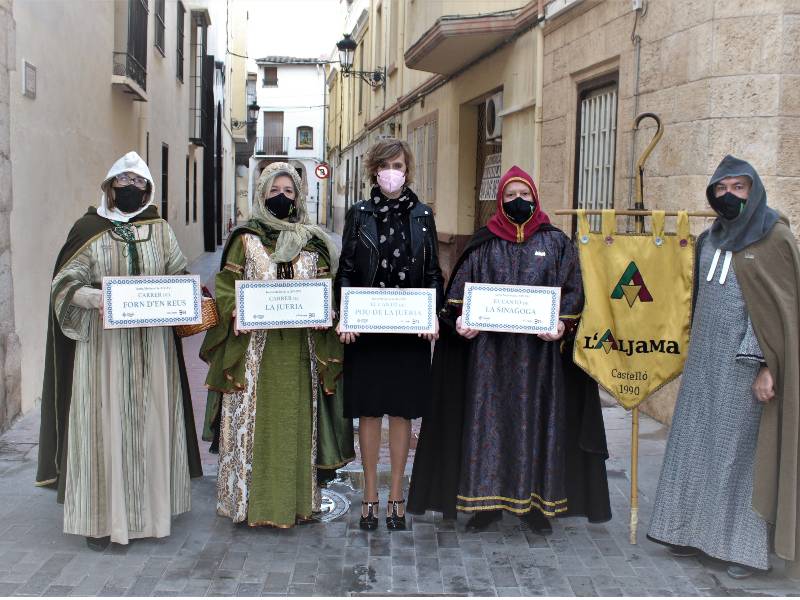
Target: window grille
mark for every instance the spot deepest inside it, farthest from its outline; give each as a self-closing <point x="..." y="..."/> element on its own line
<point x="179" y="49"/>
<point x="270" y="77"/>
<point x="165" y="182"/>
<point x="596" y="151"/>
<point x="187" y="189"/>
<point x="423" y="139"/>
<point x="160" y="26"/>
<point x="194" y="192"/>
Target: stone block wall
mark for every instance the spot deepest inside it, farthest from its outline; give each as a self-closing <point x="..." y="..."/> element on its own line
<point x="723" y="75"/>
<point x="10" y="397"/>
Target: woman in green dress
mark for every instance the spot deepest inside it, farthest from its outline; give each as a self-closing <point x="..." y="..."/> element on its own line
<point x="273" y="401"/>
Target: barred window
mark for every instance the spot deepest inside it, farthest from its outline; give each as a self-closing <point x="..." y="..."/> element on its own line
<point x="187" y="189"/>
<point x="423" y="137"/>
<point x="160" y="26"/>
<point x="194" y="192"/>
<point x="165" y="182"/>
<point x="596" y="150"/>
<point x="179" y="49"/>
<point x="270" y="77"/>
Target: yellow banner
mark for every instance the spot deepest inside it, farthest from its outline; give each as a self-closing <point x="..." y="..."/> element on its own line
<point x="634" y="331"/>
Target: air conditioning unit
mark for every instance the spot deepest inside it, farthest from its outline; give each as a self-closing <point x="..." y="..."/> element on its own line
<point x="494" y="122"/>
<point x="556" y="7"/>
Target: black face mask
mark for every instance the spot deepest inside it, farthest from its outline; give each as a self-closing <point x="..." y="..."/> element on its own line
<point x="128" y="199"/>
<point x="280" y="206"/>
<point x="728" y="206"/>
<point x="519" y="210"/>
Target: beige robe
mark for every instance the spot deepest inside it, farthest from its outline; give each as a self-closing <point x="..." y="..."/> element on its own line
<point x="127" y="467"/>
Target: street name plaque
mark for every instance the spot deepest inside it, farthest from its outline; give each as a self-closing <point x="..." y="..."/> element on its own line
<point x="511" y="308"/>
<point x="151" y="301"/>
<point x="283" y="303"/>
<point x="388" y="310"/>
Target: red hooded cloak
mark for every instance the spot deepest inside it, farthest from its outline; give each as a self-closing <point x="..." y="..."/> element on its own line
<point x="505" y="228"/>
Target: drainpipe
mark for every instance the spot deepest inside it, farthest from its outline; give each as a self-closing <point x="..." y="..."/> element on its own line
<point x="142" y="109"/>
<point x="400" y="64"/>
<point x="539" y="88"/>
<point x="324" y="153"/>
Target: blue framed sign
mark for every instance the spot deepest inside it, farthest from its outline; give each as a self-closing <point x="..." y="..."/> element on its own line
<point x="387" y="310"/>
<point x="151" y="301"/>
<point x="283" y="303"/>
<point x="511" y="308"/>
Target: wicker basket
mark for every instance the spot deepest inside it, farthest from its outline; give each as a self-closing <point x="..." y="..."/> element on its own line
<point x="210" y="319"/>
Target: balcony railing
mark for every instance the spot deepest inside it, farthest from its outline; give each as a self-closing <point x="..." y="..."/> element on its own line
<point x="272" y="146"/>
<point x="125" y="65"/>
<point x="197" y="116"/>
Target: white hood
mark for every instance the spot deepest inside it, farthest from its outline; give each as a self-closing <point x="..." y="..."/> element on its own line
<point x="130" y="163"/>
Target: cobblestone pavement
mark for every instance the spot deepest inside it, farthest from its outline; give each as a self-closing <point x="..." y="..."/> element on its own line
<point x="207" y="555"/>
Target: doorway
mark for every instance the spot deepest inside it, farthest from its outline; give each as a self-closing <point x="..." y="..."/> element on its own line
<point x="273" y="134"/>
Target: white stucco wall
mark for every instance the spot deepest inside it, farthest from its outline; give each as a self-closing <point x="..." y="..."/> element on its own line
<point x="64" y="141"/>
<point x="10" y="398"/>
<point x="300" y="96"/>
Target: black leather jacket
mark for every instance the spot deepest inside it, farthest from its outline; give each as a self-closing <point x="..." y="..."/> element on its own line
<point x="358" y="263"/>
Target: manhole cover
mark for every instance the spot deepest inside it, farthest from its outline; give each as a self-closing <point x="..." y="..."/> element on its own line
<point x="333" y="506"/>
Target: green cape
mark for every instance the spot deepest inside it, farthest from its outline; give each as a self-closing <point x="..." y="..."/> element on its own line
<point x="225" y="354"/>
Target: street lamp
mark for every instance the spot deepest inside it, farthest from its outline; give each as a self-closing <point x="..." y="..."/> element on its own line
<point x="252" y="116"/>
<point x="347" y="47"/>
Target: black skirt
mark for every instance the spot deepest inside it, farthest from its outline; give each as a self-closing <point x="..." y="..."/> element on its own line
<point x="387" y="374"/>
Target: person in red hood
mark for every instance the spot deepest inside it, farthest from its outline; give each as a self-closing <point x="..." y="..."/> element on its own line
<point x="497" y="437"/>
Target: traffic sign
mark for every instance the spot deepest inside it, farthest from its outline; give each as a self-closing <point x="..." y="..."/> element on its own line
<point x="322" y="171"/>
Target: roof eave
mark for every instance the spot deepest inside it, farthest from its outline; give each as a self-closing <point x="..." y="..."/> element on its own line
<point x="491" y="29"/>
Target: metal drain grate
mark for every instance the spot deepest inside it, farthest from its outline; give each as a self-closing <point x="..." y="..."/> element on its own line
<point x="334" y="505"/>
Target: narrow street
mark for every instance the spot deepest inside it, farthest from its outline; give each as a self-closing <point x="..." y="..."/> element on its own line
<point x="207" y="555"/>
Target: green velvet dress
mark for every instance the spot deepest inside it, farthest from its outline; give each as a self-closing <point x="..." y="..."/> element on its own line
<point x="274" y="396"/>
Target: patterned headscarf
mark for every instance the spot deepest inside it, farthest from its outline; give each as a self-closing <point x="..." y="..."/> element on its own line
<point x="296" y="231"/>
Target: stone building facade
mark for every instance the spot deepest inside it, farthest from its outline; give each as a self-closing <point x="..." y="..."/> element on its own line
<point x="724" y="77"/>
<point x="571" y="76"/>
<point x="442" y="63"/>
<point x="10" y="396"/>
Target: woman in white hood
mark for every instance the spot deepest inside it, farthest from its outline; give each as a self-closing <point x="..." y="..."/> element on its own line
<point x="117" y="438"/>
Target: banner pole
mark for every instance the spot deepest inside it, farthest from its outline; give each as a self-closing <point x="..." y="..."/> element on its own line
<point x="639" y="207"/>
<point x="636" y="213"/>
<point x="634" y="523"/>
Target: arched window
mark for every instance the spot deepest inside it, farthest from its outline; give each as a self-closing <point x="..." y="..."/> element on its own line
<point x="305" y="137"/>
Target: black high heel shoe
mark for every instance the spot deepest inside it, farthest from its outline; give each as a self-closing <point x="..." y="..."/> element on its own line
<point x="370" y="521"/>
<point x="393" y="520"/>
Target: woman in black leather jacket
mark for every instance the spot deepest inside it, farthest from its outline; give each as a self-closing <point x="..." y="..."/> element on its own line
<point x="389" y="241"/>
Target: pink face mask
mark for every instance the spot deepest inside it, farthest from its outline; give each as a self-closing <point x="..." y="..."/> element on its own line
<point x="391" y="180"/>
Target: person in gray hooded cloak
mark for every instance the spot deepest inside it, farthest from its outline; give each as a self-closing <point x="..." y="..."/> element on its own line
<point x="704" y="501"/>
